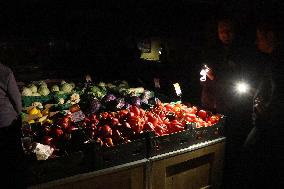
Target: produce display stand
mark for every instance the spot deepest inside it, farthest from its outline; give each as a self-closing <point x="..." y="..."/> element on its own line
<point x="197" y="166"/>
<point x="117" y="138"/>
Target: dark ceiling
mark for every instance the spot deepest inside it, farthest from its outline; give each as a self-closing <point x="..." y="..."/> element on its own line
<point x="57" y="34"/>
<point x="39" y="18"/>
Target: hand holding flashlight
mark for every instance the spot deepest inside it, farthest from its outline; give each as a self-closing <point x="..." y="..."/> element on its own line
<point x="206" y="72"/>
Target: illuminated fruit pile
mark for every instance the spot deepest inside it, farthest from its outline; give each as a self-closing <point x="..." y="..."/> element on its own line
<point x="107" y="115"/>
<point x="116" y="127"/>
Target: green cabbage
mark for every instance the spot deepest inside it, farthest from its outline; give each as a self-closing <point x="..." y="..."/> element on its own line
<point x="102" y="84"/>
<point x="54" y="88"/>
<point x="72" y="84"/>
<point x="26" y="91"/>
<point x="66" y="87"/>
<point x="43" y="90"/>
<point x="33" y="87"/>
<point x="97" y="92"/>
<point x="42" y="83"/>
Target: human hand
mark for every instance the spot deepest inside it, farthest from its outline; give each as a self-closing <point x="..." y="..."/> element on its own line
<point x="210" y="74"/>
<point x="206" y="72"/>
<point x="258" y="105"/>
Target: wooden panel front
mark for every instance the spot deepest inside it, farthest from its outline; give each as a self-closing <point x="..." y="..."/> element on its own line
<point x="197" y="169"/>
<point x="132" y="178"/>
<point x="192" y="178"/>
<point x="129" y="179"/>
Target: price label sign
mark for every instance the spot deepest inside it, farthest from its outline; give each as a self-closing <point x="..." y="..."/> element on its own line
<point x="157" y="82"/>
<point x="177" y="89"/>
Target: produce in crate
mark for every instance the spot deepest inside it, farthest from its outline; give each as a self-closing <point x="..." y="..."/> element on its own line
<point x="109" y="115"/>
<point x="41" y="88"/>
<point x="54" y="88"/>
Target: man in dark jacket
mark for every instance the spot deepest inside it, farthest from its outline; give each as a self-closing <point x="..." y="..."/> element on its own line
<point x="263" y="146"/>
<point x="226" y="62"/>
<point x="10" y="130"/>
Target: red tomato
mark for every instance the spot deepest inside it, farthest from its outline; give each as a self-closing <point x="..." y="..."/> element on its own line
<point x="202" y="114"/>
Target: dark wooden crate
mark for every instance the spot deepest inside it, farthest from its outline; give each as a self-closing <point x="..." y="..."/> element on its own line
<point x="158" y="145"/>
<point x="105" y="157"/>
<point x="57" y="168"/>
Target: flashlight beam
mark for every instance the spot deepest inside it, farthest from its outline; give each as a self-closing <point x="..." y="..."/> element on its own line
<point x="242" y="87"/>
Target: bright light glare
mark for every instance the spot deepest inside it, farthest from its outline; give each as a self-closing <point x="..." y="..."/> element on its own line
<point x="203" y="75"/>
<point x="242" y="87"/>
<point x="204" y="72"/>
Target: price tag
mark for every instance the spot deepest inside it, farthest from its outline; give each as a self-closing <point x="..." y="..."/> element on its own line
<point x="157" y="83"/>
<point x="177" y="89"/>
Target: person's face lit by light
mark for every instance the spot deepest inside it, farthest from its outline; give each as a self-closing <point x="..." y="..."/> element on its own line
<point x="265" y="41"/>
<point x="225" y="32"/>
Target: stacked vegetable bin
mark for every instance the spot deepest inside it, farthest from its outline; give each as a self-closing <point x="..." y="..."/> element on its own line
<point x="70" y="129"/>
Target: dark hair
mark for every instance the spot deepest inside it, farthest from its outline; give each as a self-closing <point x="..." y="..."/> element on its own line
<point x="227" y="20"/>
<point x="265" y="27"/>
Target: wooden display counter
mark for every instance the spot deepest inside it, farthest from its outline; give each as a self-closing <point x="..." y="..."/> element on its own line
<point x="198" y="166"/>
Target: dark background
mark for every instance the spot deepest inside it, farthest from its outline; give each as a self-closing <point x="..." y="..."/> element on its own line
<point x="49" y="39"/>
